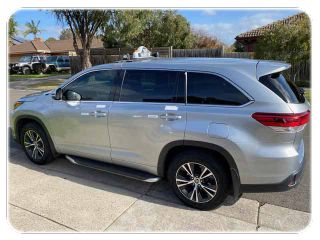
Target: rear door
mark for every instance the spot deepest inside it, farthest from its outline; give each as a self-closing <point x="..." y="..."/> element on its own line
<point x="150" y="113"/>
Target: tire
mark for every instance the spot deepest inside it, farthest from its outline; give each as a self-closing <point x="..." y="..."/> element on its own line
<point x="37" y="69"/>
<point x="52" y="69"/>
<point x="194" y="192"/>
<point x="26" y="70"/>
<point x="29" y="133"/>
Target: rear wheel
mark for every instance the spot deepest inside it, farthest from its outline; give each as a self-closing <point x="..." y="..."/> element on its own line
<point x="198" y="179"/>
<point x="35" y="144"/>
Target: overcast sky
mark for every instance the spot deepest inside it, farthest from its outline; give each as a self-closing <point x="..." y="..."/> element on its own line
<point x="223" y="24"/>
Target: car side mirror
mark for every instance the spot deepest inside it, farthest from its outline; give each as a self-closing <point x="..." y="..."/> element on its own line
<point x="58" y="94"/>
<point x="301" y="91"/>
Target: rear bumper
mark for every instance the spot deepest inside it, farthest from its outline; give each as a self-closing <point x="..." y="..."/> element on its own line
<point x="290" y="182"/>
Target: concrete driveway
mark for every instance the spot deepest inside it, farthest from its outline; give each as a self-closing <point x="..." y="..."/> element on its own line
<point x="61" y="196"/>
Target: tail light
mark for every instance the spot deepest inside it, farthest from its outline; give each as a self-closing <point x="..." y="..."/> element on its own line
<point x="283" y="121"/>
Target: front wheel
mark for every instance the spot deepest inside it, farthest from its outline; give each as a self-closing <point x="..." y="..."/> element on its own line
<point x="26" y="70"/>
<point x="35" y="144"/>
<point x="198" y="180"/>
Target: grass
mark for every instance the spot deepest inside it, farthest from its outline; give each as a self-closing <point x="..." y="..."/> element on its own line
<point x="14" y="77"/>
<point x="307" y="94"/>
<point x="44" y="85"/>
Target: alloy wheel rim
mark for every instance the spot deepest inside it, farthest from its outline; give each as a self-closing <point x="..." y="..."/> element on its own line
<point x="196" y="182"/>
<point x="33" y="144"/>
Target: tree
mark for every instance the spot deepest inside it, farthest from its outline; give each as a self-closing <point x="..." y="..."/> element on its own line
<point x="174" y="31"/>
<point x="238" y="47"/>
<point x="150" y="28"/>
<point x="84" y="25"/>
<point x="51" y="39"/>
<point x="203" y="40"/>
<point x="65" y="34"/>
<point x="290" y="43"/>
<point x="32" y="28"/>
<point x="13" y="31"/>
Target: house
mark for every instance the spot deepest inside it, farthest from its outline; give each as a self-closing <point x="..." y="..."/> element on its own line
<point x="14" y="41"/>
<point x="249" y="39"/>
<point x="51" y="47"/>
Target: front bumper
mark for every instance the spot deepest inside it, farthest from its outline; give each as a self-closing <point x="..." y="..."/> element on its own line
<point x="290" y="182"/>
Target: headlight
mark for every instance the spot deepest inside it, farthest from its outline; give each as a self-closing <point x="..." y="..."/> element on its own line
<point x="17" y="104"/>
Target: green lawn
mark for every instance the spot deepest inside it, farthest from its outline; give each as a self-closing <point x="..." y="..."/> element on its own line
<point x="14" y="77"/>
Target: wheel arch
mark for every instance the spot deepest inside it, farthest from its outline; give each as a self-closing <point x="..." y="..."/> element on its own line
<point x="177" y="146"/>
<point x="24" y="119"/>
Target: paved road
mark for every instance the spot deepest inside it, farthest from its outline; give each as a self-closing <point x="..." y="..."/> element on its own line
<point x="298" y="198"/>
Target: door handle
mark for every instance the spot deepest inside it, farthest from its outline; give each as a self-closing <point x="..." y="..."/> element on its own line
<point x="98" y="114"/>
<point x="170" y="116"/>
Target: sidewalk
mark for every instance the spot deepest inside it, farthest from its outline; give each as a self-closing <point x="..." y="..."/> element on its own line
<point x="64" y="197"/>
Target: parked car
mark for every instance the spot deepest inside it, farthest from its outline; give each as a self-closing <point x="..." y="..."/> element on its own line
<point x="212" y="127"/>
<point x="57" y="63"/>
<point x="29" y="64"/>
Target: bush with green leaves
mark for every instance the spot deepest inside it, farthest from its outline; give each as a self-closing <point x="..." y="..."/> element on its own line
<point x="290" y="43"/>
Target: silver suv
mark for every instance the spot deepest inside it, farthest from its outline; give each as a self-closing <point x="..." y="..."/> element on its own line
<point x="212" y="127"/>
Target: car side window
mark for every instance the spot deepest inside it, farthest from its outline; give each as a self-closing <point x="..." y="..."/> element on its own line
<point x="153" y="86"/>
<point x="206" y="88"/>
<point x="93" y="86"/>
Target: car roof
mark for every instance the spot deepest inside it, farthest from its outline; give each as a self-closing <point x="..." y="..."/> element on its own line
<point x="224" y="66"/>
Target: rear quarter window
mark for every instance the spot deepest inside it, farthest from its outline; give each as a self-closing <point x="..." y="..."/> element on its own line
<point x="284" y="88"/>
<point x="204" y="88"/>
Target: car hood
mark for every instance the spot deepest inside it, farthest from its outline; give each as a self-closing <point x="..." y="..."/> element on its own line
<point x="34" y="96"/>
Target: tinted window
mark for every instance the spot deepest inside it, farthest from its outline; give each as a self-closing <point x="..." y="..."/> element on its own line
<point x="211" y="89"/>
<point x="153" y="86"/>
<point x="284" y="88"/>
<point x="94" y="86"/>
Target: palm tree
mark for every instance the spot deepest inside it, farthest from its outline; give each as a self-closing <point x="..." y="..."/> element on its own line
<point x="32" y="28"/>
<point x="13" y="31"/>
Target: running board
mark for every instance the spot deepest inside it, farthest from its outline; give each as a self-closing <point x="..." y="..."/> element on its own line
<point x="114" y="169"/>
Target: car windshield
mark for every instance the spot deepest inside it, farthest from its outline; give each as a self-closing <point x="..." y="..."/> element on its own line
<point x="25" y="59"/>
<point x="51" y="59"/>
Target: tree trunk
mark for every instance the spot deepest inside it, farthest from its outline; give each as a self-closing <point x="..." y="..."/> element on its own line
<point x="85" y="58"/>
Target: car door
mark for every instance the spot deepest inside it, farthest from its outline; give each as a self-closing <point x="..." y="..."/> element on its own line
<point x="80" y="120"/>
<point x="150" y="113"/>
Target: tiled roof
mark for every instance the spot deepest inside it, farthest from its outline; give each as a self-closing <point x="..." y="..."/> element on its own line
<point x="34" y="46"/>
<point x="67" y="45"/>
<point x="259" y="31"/>
<point x="51" y="46"/>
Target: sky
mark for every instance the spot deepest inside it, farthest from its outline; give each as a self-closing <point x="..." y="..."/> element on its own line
<point x="223" y="24"/>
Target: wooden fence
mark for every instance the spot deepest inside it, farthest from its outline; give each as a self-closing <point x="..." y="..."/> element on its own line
<point x="207" y="52"/>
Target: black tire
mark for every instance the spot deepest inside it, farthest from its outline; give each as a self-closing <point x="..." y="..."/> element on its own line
<point x="198" y="161"/>
<point x="33" y="129"/>
<point x="26" y="70"/>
